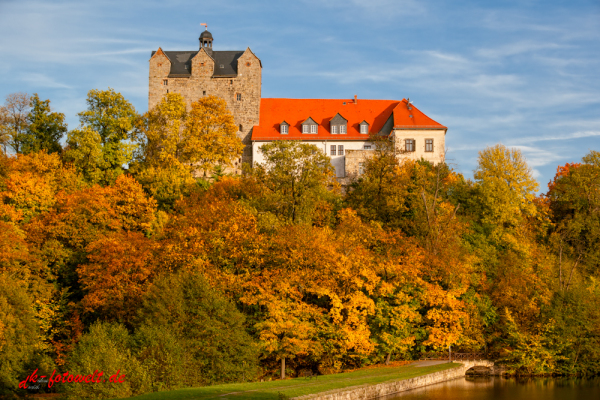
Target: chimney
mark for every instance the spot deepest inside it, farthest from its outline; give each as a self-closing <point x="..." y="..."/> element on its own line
<point x="355" y="99"/>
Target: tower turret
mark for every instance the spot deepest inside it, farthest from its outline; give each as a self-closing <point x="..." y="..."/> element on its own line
<point x="206" y="40"/>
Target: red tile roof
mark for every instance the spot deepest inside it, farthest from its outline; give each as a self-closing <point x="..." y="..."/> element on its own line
<point x="375" y="112"/>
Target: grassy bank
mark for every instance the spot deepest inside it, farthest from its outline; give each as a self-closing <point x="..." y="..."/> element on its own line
<point x="297" y="386"/>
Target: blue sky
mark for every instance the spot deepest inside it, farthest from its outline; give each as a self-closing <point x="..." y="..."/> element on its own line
<point x="523" y="73"/>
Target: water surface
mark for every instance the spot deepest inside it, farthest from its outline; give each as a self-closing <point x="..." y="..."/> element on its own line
<point x="498" y="388"/>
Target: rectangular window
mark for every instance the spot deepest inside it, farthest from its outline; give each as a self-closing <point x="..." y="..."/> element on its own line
<point x="334" y="129"/>
<point x="364" y="128"/>
<point x="284" y="129"/>
<point x="204" y="93"/>
<point x="165" y="82"/>
<point x="332" y="150"/>
<point x="343" y="129"/>
<point x="367" y="147"/>
<point x="409" y="144"/>
<point x="304" y="128"/>
<point x="361" y="168"/>
<point x="429" y="145"/>
<point x="340" y="150"/>
<point x="239" y="97"/>
<point x="313" y="129"/>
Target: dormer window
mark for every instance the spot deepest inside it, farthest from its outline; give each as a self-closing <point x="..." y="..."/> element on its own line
<point x="309" y="126"/>
<point x="364" y="127"/>
<point x="284" y="128"/>
<point x="338" y="124"/>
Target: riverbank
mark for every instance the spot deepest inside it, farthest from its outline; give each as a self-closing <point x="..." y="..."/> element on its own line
<point x="302" y="387"/>
<point x="365" y="392"/>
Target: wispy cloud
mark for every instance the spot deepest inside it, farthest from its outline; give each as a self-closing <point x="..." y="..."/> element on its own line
<point x="569" y="136"/>
<point x="43" y="81"/>
<point x="518" y="48"/>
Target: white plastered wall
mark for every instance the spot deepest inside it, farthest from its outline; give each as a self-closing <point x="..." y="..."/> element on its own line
<point x="337" y="161"/>
<point x="419" y="136"/>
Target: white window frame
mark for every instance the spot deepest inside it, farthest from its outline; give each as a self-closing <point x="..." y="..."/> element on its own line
<point x="342" y="129"/>
<point x="364" y="128"/>
<point x="313" y="129"/>
<point x="334" y="129"/>
<point x="283" y="129"/>
<point x="304" y="128"/>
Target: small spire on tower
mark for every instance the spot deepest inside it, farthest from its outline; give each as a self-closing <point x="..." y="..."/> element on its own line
<point x="206" y="39"/>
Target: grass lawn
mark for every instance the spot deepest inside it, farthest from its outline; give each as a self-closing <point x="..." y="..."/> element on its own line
<point x="298" y="386"/>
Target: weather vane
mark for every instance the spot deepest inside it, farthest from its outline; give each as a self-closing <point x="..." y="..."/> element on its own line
<point x="204" y="25"/>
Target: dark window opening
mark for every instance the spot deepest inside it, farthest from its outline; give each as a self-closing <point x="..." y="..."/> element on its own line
<point x="204" y="93"/>
<point x="241" y="128"/>
<point x="429" y="145"/>
<point x="333" y="147"/>
<point x="239" y="97"/>
<point x="409" y="144"/>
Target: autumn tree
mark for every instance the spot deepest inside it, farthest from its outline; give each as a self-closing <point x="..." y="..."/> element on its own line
<point x="101" y="146"/>
<point x="31" y="184"/>
<point x="13" y="121"/>
<point x="380" y="193"/>
<point x="296" y="179"/>
<point x="19" y="333"/>
<point x="45" y="128"/>
<point x="82" y="217"/>
<point x="575" y="204"/>
<point x="117" y="274"/>
<point x="158" y="166"/>
<point x="506" y="190"/>
<point x="210" y="135"/>
<point x="175" y="144"/>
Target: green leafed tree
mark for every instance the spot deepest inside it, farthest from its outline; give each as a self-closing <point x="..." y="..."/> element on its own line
<point x="44" y="129"/>
<point x="205" y="328"/>
<point x="103" y="145"/>
<point x="297" y="180"/>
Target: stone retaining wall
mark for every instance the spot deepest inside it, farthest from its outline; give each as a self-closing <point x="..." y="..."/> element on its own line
<point x="365" y="392"/>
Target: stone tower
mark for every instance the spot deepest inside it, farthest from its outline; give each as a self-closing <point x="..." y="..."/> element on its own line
<point x="235" y="76"/>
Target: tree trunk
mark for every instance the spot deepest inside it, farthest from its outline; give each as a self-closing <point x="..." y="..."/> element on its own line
<point x="283" y="368"/>
<point x="387" y="360"/>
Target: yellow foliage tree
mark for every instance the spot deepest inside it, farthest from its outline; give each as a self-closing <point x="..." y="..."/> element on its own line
<point x="507" y="190"/>
<point x="210" y="137"/>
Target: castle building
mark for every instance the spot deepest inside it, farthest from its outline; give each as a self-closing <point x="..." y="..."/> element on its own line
<point x="341" y="128"/>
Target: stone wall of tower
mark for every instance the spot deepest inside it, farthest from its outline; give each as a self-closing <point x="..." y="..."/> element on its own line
<point x="201" y="83"/>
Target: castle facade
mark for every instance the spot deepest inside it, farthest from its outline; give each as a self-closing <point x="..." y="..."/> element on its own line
<point x="340" y="127"/>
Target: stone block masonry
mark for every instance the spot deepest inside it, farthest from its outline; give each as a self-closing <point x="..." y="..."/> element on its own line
<point x="241" y="91"/>
<point x="365" y="392"/>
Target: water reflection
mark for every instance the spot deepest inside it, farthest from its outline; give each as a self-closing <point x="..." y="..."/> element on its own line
<point x="498" y="388"/>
